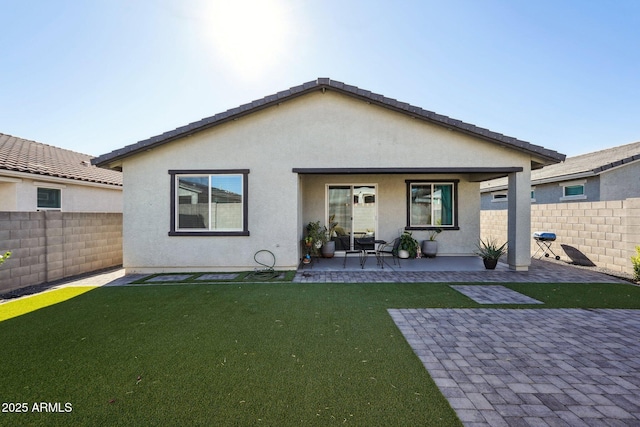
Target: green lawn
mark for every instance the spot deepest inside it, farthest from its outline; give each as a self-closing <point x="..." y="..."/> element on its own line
<point x="239" y="354"/>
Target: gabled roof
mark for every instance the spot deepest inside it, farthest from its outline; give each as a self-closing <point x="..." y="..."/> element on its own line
<point x="22" y="155"/>
<point x="584" y="165"/>
<point x="324" y="84"/>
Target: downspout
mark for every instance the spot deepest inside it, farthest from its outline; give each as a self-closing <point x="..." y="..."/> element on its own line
<point x="46" y="249"/>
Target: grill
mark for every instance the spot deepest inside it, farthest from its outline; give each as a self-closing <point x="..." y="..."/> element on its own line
<point x="544" y="240"/>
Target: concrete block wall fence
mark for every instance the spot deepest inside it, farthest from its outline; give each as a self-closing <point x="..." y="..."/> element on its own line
<point x="605" y="232"/>
<point x="51" y="245"/>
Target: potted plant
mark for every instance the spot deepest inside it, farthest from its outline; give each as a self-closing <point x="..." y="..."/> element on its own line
<point x="490" y="252"/>
<point x="317" y="235"/>
<point x="408" y="247"/>
<point x="329" y="247"/>
<point x="430" y="246"/>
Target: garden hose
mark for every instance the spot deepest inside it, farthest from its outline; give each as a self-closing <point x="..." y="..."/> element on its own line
<point x="264" y="274"/>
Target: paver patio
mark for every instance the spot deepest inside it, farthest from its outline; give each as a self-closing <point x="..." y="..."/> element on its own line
<point x="543" y="367"/>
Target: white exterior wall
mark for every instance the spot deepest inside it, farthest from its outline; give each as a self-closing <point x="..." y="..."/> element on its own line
<point x="21" y="194"/>
<point x="313" y="131"/>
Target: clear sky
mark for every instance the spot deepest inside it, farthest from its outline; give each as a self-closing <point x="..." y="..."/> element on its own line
<point x="96" y="75"/>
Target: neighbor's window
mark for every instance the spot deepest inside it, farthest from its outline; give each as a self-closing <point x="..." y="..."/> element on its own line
<point x="49" y="198"/>
<point x="431" y="204"/>
<point x="209" y="202"/>
<point x="573" y="190"/>
<point x="499" y="197"/>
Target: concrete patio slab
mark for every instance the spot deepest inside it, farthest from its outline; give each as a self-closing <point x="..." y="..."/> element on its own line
<point x="569" y="367"/>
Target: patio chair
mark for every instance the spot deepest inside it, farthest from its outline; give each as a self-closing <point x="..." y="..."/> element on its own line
<point x="389" y="248"/>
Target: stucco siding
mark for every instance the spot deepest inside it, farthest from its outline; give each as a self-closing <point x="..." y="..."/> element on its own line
<point x="621" y="183"/>
<point x="22" y="195"/>
<point x="314" y="131"/>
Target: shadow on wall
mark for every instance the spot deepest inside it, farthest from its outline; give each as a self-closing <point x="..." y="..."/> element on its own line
<point x="577" y="257"/>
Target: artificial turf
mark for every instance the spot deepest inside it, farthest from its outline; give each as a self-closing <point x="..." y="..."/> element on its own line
<point x="239" y="354"/>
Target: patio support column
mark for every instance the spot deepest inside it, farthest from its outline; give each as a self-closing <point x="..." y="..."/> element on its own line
<point x="519" y="220"/>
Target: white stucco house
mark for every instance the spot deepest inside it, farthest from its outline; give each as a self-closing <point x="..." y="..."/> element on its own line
<point x="207" y="196"/>
<point x="40" y="177"/>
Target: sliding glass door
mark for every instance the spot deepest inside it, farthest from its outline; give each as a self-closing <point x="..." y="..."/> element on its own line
<point x="353" y="207"/>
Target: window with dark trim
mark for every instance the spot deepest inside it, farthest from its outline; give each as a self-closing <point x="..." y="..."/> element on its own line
<point x="209" y="202"/>
<point x="432" y="204"/>
<point x="49" y="198"/>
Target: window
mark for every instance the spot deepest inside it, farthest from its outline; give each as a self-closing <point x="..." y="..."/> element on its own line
<point x="209" y="203"/>
<point x="573" y="190"/>
<point x="499" y="197"/>
<point x="431" y="205"/>
<point x="49" y="198"/>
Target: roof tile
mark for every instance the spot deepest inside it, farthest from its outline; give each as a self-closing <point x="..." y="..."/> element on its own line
<point x="22" y="155"/>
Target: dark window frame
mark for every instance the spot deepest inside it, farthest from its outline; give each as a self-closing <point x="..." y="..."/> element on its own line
<point x="454" y="183"/>
<point x="57" y="199"/>
<point x="173" y="231"/>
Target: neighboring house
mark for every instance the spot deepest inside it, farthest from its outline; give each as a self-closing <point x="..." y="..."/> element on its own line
<point x="35" y="177"/>
<point x="255" y="175"/>
<point x="611" y="174"/>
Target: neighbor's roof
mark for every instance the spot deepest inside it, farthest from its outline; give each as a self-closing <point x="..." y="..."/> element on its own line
<point x="325" y="84"/>
<point x="581" y="166"/>
<point x="22" y="155"/>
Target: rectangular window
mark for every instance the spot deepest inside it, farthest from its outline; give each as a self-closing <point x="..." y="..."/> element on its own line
<point x="499" y="197"/>
<point x="431" y="205"/>
<point x="209" y="203"/>
<point x="49" y="198"/>
<point x="573" y="190"/>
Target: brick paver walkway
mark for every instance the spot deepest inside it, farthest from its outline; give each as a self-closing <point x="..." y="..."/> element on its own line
<point x="535" y="367"/>
<point x="494" y="294"/>
<point x="539" y="272"/>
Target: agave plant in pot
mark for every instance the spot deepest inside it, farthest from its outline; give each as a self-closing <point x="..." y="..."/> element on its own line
<point x="490" y="251"/>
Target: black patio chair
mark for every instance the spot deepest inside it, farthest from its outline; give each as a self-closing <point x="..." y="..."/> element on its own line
<point x="389" y="248"/>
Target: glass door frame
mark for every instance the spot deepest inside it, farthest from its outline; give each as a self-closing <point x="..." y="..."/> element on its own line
<point x="353" y="215"/>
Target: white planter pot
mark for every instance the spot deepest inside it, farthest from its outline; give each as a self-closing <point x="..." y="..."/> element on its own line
<point x="404" y="254"/>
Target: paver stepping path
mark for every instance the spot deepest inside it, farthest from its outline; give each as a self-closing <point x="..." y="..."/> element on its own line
<point x="494" y="294"/>
<point x="506" y="367"/>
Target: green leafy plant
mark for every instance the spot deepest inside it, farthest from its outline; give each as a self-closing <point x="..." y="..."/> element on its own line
<point x="409" y="244"/>
<point x="434" y="233"/>
<point x="5" y="257"/>
<point x="317" y="235"/>
<point x="490" y="249"/>
<point x="332" y="226"/>
<point x="317" y="232"/>
<point x="635" y="260"/>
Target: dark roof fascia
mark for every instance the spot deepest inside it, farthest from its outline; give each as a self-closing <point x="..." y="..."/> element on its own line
<point x="616" y="164"/>
<point x="387" y="171"/>
<point x="324" y="84"/>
